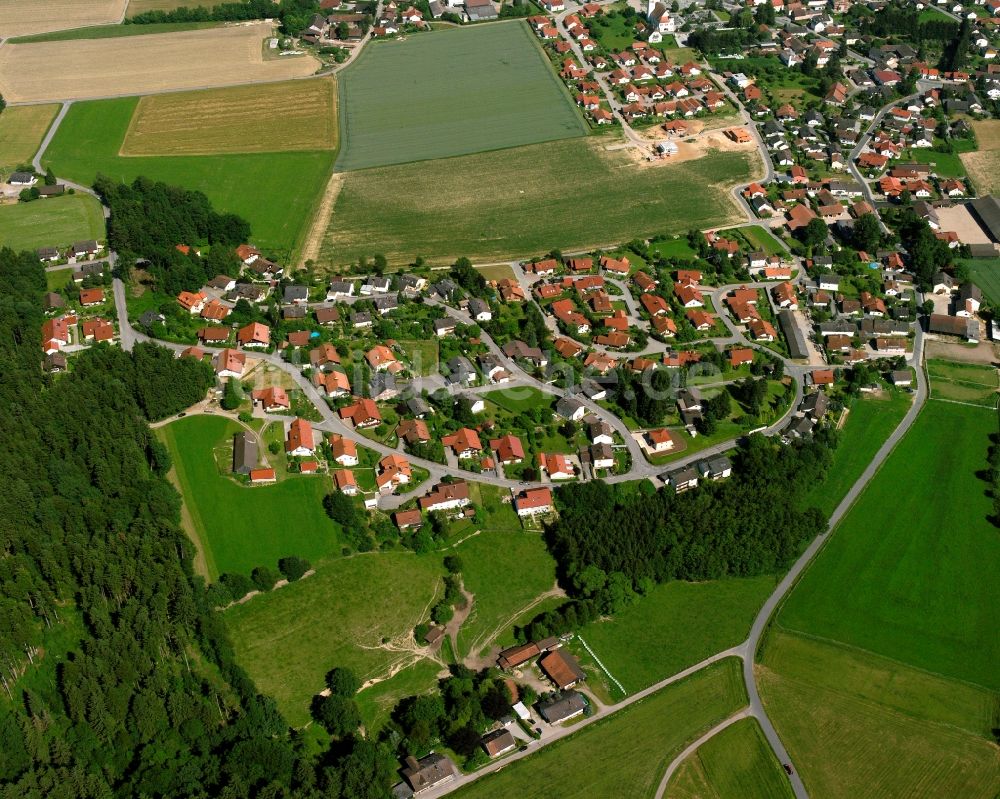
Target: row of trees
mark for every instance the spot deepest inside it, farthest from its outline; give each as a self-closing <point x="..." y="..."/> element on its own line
<point x="233" y="586"/>
<point x="293" y="14"/>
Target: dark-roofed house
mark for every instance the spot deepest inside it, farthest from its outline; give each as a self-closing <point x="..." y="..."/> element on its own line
<point x="562" y="668"/>
<point x="244" y="453"/>
<point x="967" y="328"/>
<point x="498" y="742"/>
<point x="570" y="705"/>
<point x="428" y="772"/>
<point x="987" y="211"/>
<point x="793" y="335"/>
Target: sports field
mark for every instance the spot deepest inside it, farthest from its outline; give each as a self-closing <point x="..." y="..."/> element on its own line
<point x="869" y="423"/>
<point x="625" y="755"/>
<point x="357" y="612"/>
<point x="858" y="725"/>
<point x="22" y="129"/>
<point x="735" y="764"/>
<point x="240" y="119"/>
<point x="963" y="382"/>
<point x="275" y="192"/>
<point x="241" y="527"/>
<point x="677" y="625"/>
<point x="983" y="165"/>
<point x="910" y="573"/>
<point x="498" y="205"/>
<point x="189" y="59"/>
<point x="20" y="18"/>
<point x="451" y="92"/>
<point x="53" y="222"/>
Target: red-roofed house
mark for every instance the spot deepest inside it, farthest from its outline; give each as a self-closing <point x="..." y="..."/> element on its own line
<point x="300" y="441"/>
<point x="464" y="443"/>
<point x="508" y="449"/>
<point x="556" y="466"/>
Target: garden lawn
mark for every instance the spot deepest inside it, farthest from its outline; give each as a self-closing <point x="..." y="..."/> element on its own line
<point x="507" y="571"/>
<point x="986" y="274"/>
<point x="240" y="527"/>
<point x="357" y="612"/>
<point x="22" y="129"/>
<point x="762" y="239"/>
<point x="856" y="724"/>
<point x="275" y="192"/>
<point x="910" y="572"/>
<point x="52" y="222"/>
<point x="520" y="398"/>
<point x="737" y="763"/>
<point x="499" y="205"/>
<point x="946" y="165"/>
<point x="451" y="92"/>
<point x="677" y="625"/>
<point x="868" y="425"/>
<point x="624" y="755"/>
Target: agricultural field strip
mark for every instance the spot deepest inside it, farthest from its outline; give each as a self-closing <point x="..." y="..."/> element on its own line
<point x="92" y="68"/>
<point x="20" y="18"/>
<point x="499" y="91"/>
<point x="238" y="119"/>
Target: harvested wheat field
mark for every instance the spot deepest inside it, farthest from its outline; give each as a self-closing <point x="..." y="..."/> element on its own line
<point x="90" y="68"/>
<point x="25" y="17"/>
<point x="984" y="166"/>
<point x="240" y="119"/>
<point x="22" y="129"/>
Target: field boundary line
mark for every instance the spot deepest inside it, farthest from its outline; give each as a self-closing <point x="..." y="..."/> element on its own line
<point x="604" y="668"/>
<point x="967" y="404"/>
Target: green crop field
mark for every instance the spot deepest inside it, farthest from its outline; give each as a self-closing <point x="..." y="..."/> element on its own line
<point x="910" y="573"/>
<point x="625" y="755"/>
<point x="506" y="570"/>
<point x="140" y="6"/>
<point x="675" y="626"/>
<point x="275" y="192"/>
<point x="868" y="425"/>
<point x="499" y="205"/>
<point x="451" y="92"/>
<point x="52" y="222"/>
<point x="856" y="724"/>
<point x="114" y="31"/>
<point x="735" y="764"/>
<point x="963" y="382"/>
<point x="22" y="129"/>
<point x="762" y="239"/>
<point x="357" y="612"/>
<point x="986" y="274"/>
<point x="240" y="527"/>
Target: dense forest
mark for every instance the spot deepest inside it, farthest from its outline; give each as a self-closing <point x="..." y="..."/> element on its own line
<point x="118" y="679"/>
<point x="150" y="219"/>
<point x="613" y="543"/>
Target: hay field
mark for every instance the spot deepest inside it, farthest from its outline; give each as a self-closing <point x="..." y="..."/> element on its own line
<point x="451" y="92"/>
<point x="983" y="165"/>
<point x="240" y="119"/>
<point x="143" y="64"/>
<point x="53" y="222"/>
<point x="569" y="194"/>
<point x="22" y="129"/>
<point x="23" y="18"/>
<point x="857" y="725"/>
<point x="275" y="192"/>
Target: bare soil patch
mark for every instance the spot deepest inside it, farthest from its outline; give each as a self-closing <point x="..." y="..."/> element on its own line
<point x="197" y="59"/>
<point x="959" y="219"/>
<point x="24" y="17"/>
<point x="314" y="239"/>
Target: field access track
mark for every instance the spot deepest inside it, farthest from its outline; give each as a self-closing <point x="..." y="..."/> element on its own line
<point x="451" y="92"/>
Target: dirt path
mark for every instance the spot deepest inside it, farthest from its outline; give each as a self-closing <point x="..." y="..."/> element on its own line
<point x="321" y="221"/>
<point x="461" y="614"/>
<point x="983" y="353"/>
<point x="474" y="660"/>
